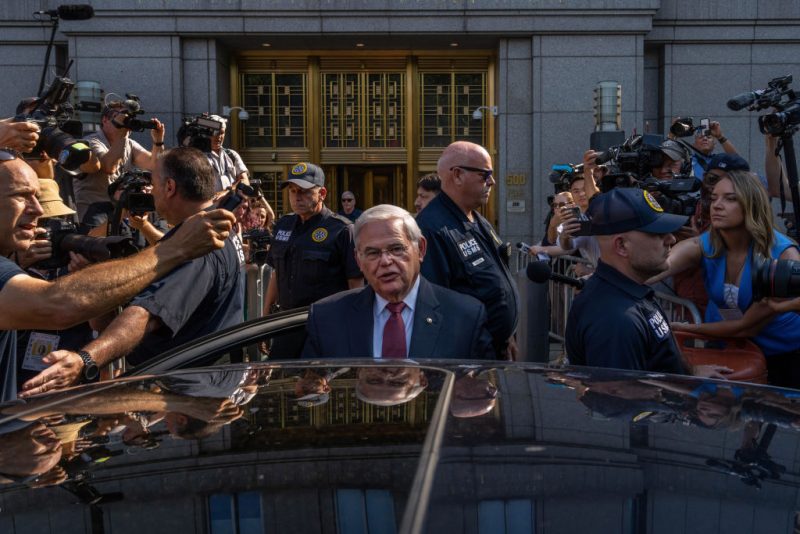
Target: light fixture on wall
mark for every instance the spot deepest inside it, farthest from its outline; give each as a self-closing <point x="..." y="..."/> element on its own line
<point x="478" y="114"/>
<point x="227" y="110"/>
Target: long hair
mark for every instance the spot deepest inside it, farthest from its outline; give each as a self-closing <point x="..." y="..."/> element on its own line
<point x="753" y="199"/>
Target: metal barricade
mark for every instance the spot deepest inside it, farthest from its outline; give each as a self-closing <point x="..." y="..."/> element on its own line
<point x="255" y="288"/>
<point x="679" y="309"/>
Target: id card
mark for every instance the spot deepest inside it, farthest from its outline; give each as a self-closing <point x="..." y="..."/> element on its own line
<point x="39" y="346"/>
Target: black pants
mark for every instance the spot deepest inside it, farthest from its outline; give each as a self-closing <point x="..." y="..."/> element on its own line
<point x="784" y="370"/>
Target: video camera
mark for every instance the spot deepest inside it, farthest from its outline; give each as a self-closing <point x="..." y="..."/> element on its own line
<point x="57" y="138"/>
<point x="777" y="95"/>
<point x="133" y="107"/>
<point x="64" y="237"/>
<point x="632" y="165"/>
<point x="258" y="241"/>
<point x="197" y="132"/>
<point x="562" y="176"/>
<point x="133" y="197"/>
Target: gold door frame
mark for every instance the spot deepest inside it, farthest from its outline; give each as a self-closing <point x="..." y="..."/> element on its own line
<point x="416" y="160"/>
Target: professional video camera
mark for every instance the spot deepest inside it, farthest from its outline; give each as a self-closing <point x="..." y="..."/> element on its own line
<point x="775" y="278"/>
<point x="133" y="197"/>
<point x="631" y="165"/>
<point x="64" y="237"/>
<point x="561" y="176"/>
<point x="133" y="107"/>
<point x="777" y="95"/>
<point x="258" y="241"/>
<point x="197" y="132"/>
<point x="52" y="112"/>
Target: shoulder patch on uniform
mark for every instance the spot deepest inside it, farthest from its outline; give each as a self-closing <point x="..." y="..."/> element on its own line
<point x="319" y="235"/>
<point x="658" y="324"/>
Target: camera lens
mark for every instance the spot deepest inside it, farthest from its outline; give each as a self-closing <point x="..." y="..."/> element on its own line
<point x="775" y="278"/>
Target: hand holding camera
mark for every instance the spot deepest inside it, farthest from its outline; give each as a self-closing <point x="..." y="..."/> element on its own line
<point x="20" y="136"/>
<point x="41" y="249"/>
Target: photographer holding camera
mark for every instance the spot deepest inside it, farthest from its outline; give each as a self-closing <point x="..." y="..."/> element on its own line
<point x="227" y="163"/>
<point x="118" y="153"/>
<point x="200" y="297"/>
<point x="28" y="303"/>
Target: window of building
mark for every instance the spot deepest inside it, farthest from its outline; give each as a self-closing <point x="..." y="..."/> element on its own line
<point x="235" y="513"/>
<point x="506" y="517"/>
<point x="365" y="512"/>
<point x="276" y="104"/>
<point x="447" y="101"/>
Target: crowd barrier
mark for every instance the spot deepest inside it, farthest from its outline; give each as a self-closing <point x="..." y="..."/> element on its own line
<point x="548" y="309"/>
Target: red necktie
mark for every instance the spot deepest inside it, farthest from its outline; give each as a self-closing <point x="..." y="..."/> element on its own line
<point x="394" y="333"/>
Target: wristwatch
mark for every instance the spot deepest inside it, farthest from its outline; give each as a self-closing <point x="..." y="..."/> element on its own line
<point x="90" y="369"/>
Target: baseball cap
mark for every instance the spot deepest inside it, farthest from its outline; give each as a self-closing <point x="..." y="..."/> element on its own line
<point x="627" y="208"/>
<point x="51" y="202"/>
<point x="674" y="150"/>
<point x="306" y="175"/>
<point x="727" y="162"/>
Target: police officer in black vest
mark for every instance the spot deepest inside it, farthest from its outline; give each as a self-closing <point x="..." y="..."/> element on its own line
<point x="312" y="253"/>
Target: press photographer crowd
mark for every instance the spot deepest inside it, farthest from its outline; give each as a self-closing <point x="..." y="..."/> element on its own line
<point x="130" y="251"/>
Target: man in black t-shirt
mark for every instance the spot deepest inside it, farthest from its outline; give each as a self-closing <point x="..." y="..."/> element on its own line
<point x="200" y="297"/>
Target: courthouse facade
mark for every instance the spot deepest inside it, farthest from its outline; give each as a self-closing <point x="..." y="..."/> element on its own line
<point x="373" y="89"/>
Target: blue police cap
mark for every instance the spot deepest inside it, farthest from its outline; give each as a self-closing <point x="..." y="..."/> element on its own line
<point x="626" y="208"/>
<point x="306" y="175"/>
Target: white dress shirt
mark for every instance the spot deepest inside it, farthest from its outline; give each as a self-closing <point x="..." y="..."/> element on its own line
<point x="380" y="315"/>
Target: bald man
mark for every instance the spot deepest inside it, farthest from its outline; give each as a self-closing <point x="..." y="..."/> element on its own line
<point x="463" y="248"/>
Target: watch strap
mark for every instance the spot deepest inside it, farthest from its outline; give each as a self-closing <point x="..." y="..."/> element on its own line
<point x="90" y="369"/>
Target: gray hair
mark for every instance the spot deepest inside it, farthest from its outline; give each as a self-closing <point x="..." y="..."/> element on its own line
<point x="388" y="212"/>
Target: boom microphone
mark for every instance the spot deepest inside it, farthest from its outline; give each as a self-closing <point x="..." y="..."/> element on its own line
<point x="70" y="12"/>
<point x="540" y="272"/>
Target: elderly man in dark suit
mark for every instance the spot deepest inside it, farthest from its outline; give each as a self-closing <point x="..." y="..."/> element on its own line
<point x="399" y="314"/>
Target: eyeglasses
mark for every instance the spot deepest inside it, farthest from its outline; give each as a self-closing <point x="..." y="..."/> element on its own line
<point x="486" y="174"/>
<point x="374" y="254"/>
<point x="8" y="154"/>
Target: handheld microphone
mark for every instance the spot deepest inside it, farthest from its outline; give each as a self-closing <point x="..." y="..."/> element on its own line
<point x="70" y="12"/>
<point x="540" y="272"/>
<point x="743" y="100"/>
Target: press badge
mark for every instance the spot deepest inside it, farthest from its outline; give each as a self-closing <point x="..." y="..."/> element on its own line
<point x="39" y="346"/>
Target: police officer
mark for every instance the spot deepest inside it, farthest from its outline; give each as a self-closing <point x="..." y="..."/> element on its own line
<point x="312" y="253"/>
<point x="615" y="321"/>
<point x="464" y="252"/>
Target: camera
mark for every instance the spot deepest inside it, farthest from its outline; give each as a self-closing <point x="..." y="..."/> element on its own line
<point x="64" y="238"/>
<point x="777" y="95"/>
<point x="231" y="200"/>
<point x="632" y="164"/>
<point x="197" y="132"/>
<point x="133" y="197"/>
<point x="562" y="176"/>
<point x="684" y="127"/>
<point x="133" y="107"/>
<point x="775" y="278"/>
<point x="52" y="112"/>
<point x="258" y="241"/>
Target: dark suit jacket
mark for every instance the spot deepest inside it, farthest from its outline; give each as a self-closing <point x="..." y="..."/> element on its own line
<point x="447" y="324"/>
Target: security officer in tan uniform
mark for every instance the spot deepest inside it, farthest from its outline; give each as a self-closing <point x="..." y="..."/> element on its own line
<point x="312" y="253"/>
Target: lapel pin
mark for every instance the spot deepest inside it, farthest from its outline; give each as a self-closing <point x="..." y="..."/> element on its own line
<point x="429" y="320"/>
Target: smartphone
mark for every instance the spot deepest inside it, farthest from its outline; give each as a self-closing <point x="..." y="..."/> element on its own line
<point x="585" y="229"/>
<point x="705" y="126"/>
<point x="574" y="210"/>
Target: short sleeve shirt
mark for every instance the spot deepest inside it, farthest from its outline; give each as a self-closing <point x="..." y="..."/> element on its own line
<point x="200" y="297"/>
<point x="616" y="322"/>
<point x="227" y="165"/>
<point x="8" y="340"/>
<point x="94" y="187"/>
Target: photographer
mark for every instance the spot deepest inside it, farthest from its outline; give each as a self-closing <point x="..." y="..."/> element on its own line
<point x="200" y="297"/>
<point x="117" y="153"/>
<point x="134" y="211"/>
<point x="227" y="164"/>
<point x="705" y="141"/>
<point x="27" y="303"/>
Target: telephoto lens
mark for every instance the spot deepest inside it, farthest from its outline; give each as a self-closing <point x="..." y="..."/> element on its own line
<point x="775" y="278"/>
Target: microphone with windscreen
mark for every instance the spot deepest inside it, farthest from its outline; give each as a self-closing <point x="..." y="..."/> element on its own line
<point x="70" y="12"/>
<point x="540" y="272"/>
